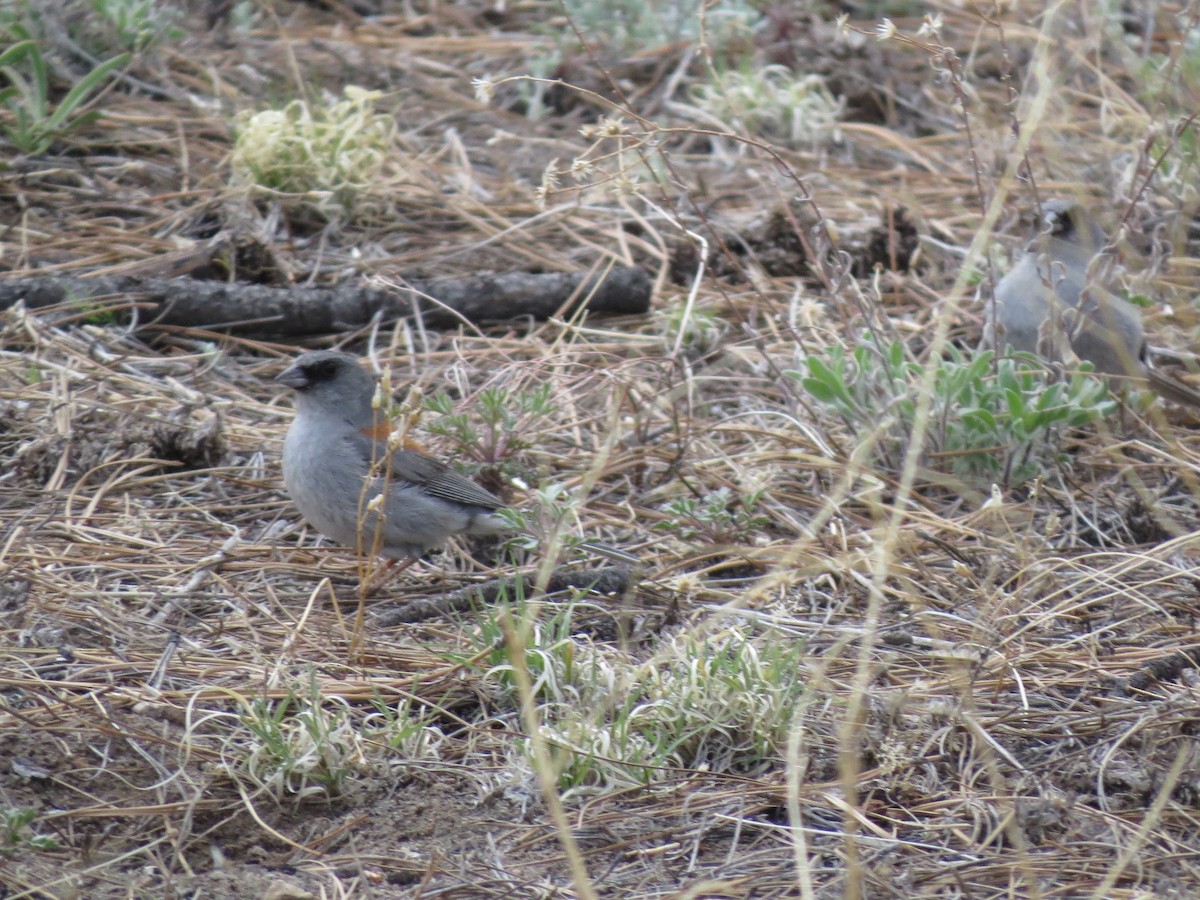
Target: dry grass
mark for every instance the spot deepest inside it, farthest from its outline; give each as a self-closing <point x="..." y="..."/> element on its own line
<point x="883" y="686"/>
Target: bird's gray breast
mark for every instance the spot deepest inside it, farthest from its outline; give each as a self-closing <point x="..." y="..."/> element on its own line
<point x="325" y="482"/>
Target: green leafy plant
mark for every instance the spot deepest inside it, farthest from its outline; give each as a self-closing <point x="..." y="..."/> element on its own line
<point x="775" y="103"/>
<point x="698" y="330"/>
<point x="624" y="28"/>
<point x="630" y="26"/>
<point x="718" y="517"/>
<point x="507" y="419"/>
<point x="722" y="702"/>
<point x="37" y="123"/>
<point x="15" y="833"/>
<point x="543" y="517"/>
<point x="302" y="747"/>
<point x="403" y="728"/>
<point x="138" y="25"/>
<point x="552" y="654"/>
<point x="999" y="421"/>
<point x="327" y="156"/>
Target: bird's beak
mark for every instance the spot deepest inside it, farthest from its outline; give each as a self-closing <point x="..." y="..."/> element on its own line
<point x="293" y="377"/>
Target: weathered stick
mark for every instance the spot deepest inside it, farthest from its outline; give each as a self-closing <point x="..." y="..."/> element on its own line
<point x="296" y="311"/>
<point x="612" y="581"/>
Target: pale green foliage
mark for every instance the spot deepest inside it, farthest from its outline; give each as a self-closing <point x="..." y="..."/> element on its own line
<point x="774" y="103"/>
<point x="697" y="330"/>
<point x="1168" y="84"/>
<point x="96" y="28"/>
<point x="35" y="123"/>
<point x="300" y="747"/>
<point x="546" y="515"/>
<point x="623" y="28"/>
<point x="718" y="517"/>
<point x="138" y="25"/>
<point x="628" y="26"/>
<point x="402" y="730"/>
<point x="328" y="156"/>
<point x="723" y="702"/>
<point x="989" y="422"/>
<point x="16" y="834"/>
<point x="307" y="745"/>
<point x="563" y="667"/>
<point x="502" y="423"/>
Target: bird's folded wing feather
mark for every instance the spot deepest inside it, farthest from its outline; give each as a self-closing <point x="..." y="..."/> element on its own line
<point x="425" y="472"/>
<point x="440" y="480"/>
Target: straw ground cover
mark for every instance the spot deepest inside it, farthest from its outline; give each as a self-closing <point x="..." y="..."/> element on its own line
<point x="904" y="626"/>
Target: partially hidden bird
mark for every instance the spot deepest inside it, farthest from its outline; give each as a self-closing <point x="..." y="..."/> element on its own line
<point x="1048" y="300"/>
<point x="353" y="487"/>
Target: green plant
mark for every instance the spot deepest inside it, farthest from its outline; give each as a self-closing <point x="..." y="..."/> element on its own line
<point x="698" y="330"/>
<point x="1177" y="155"/>
<point x="95" y="312"/>
<point x="243" y="16"/>
<point x="630" y="26"/>
<point x="138" y="25"/>
<point x="508" y="419"/>
<point x="37" y="124"/>
<point x="562" y="666"/>
<point x="544" y="519"/>
<point x="775" y="103"/>
<point x="302" y="746"/>
<point x="718" y="517"/>
<point x="327" y="156"/>
<point x="722" y="702"/>
<point x="403" y="730"/>
<point x="15" y="835"/>
<point x="624" y="28"/>
<point x="1004" y="426"/>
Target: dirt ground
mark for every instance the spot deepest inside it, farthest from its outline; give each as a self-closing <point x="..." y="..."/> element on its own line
<point x="832" y="674"/>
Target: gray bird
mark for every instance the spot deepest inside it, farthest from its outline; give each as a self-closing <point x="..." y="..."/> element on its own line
<point x="341" y="473"/>
<point x="1046" y="301"/>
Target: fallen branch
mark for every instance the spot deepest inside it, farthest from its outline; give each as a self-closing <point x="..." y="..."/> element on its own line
<point x="609" y="582"/>
<point x="254" y="309"/>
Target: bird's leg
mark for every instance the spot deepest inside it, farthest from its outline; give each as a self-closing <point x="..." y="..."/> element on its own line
<point x="385" y="575"/>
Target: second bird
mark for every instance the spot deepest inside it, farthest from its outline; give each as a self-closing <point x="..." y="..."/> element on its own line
<point x="1051" y="277"/>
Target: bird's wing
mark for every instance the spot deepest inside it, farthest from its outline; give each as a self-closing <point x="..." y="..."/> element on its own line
<point x="424" y="471"/>
<point x="439" y="479"/>
<point x="1109" y="333"/>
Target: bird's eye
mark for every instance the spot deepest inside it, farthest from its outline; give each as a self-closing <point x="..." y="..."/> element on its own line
<point x="1061" y="222"/>
<point x="323" y="370"/>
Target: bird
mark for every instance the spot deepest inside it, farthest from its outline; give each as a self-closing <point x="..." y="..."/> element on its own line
<point x="1048" y="299"/>
<point x="353" y="486"/>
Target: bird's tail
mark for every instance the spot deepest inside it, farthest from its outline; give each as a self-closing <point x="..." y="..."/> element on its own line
<point x="1173" y="388"/>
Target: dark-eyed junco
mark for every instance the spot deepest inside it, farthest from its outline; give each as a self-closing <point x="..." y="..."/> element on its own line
<point x="1046" y="301"/>
<point x="355" y="489"/>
